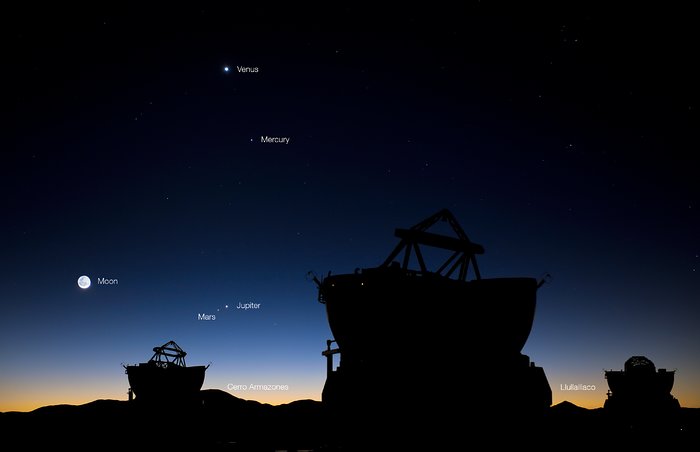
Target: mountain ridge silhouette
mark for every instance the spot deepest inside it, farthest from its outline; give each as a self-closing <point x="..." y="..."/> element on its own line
<point x="222" y="421"/>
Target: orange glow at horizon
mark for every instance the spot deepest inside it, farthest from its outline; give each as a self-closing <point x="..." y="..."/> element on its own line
<point x="592" y="401"/>
<point x="28" y="396"/>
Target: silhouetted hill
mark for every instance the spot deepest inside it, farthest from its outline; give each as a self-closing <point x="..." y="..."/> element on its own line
<point x="567" y="408"/>
<point x="216" y="421"/>
<point x="221" y="421"/>
<point x="602" y="427"/>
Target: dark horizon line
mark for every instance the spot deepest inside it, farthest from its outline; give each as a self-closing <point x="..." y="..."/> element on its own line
<point x="564" y="402"/>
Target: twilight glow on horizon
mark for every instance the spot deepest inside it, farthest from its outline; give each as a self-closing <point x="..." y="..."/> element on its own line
<point x="178" y="182"/>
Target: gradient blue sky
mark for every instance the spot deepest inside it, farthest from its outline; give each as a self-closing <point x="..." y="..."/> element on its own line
<point x="561" y="141"/>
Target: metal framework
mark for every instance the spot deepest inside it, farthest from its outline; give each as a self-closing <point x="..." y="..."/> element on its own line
<point x="168" y="354"/>
<point x="464" y="251"/>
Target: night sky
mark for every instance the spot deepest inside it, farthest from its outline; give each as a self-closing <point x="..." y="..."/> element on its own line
<point x="565" y="142"/>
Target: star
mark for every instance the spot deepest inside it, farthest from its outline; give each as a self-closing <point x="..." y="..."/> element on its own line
<point x="226" y="69"/>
